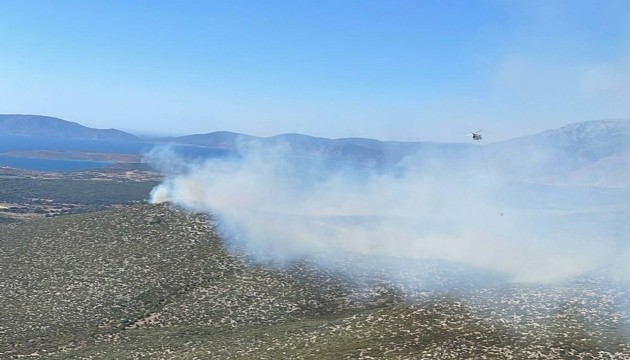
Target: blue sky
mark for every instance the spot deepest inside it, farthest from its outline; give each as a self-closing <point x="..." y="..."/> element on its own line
<point x="397" y="70"/>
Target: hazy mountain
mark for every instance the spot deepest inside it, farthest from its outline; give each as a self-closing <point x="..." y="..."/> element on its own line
<point x="36" y="125"/>
<point x="359" y="151"/>
<point x="586" y="153"/>
<point x="610" y="171"/>
<point x="219" y="139"/>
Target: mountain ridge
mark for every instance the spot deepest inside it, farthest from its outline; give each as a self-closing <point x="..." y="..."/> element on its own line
<point x="228" y="139"/>
<point x="581" y="153"/>
<point x="39" y="125"/>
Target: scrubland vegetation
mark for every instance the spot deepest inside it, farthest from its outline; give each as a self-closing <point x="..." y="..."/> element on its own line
<point x="150" y="281"/>
<point x="51" y="197"/>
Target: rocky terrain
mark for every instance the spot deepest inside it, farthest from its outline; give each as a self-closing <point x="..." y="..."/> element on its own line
<point x="151" y="281"/>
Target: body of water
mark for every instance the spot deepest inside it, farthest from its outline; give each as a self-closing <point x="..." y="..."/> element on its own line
<point x="10" y="143"/>
<point x="50" y="164"/>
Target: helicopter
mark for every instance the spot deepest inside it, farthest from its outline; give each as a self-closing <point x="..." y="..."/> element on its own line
<point x="476" y="135"/>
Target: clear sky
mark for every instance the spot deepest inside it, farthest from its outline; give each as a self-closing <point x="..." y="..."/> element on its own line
<point x="396" y="70"/>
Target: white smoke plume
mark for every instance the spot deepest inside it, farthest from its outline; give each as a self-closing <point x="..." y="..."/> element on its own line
<point x="289" y="208"/>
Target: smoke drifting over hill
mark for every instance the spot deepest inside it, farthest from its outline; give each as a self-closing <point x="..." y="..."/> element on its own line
<point x="285" y="208"/>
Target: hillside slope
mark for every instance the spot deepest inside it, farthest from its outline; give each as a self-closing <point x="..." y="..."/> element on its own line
<point x="36" y="125"/>
<point x="154" y="282"/>
<point x="580" y="153"/>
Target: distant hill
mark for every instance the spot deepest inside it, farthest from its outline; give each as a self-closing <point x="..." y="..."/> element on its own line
<point x="36" y="125"/>
<point x="593" y="153"/>
<point x="587" y="153"/>
<point x="347" y="150"/>
<point x="219" y="139"/>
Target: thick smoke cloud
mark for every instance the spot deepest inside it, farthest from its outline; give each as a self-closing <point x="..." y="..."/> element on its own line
<point x="285" y="208"/>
